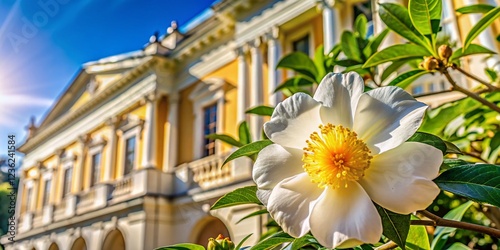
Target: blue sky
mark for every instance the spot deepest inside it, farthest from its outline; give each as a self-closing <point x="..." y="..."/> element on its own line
<point x="43" y="44"/>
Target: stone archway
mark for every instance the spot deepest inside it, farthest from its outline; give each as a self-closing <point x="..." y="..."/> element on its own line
<point x="79" y="244"/>
<point x="114" y="241"/>
<point x="53" y="246"/>
<point x="210" y="227"/>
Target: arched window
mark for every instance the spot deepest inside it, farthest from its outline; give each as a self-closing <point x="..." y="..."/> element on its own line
<point x="210" y="227"/>
<point x="79" y="244"/>
<point x="114" y="241"/>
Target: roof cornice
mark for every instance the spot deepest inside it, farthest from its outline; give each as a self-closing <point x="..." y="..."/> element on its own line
<point x="66" y="119"/>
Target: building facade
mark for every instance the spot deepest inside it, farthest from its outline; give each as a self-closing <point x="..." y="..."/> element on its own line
<point x="121" y="160"/>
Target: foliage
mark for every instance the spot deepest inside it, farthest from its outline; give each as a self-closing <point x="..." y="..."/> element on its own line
<point x="465" y="130"/>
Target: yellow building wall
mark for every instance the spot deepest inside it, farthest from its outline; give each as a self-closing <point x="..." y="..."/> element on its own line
<point x="186" y="120"/>
<point x="161" y="127"/>
<point x="140" y="112"/>
<point x="229" y="73"/>
<point x="318" y="30"/>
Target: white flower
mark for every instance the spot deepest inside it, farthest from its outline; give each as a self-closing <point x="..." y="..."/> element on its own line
<point x="336" y="153"/>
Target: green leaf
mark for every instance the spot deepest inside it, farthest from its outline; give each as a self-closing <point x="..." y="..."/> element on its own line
<point x="392" y="68"/>
<point x="429" y="140"/>
<point x="244" y="133"/>
<point x="360" y="25"/>
<point x="319" y="61"/>
<point x="478" y="182"/>
<point x="240" y="196"/>
<point x="306" y="240"/>
<point x="347" y="62"/>
<point x="471" y="50"/>
<point x="475" y="8"/>
<point x="273" y="241"/>
<point x="396" y="226"/>
<point x="492" y="74"/>
<point x="404" y="80"/>
<point x="455" y="162"/>
<point x="417" y="237"/>
<point x="458" y="246"/>
<point x="425" y="15"/>
<point x="261" y="110"/>
<point x="182" y="246"/>
<point x="258" y="212"/>
<point x="481" y="25"/>
<point x="293" y="82"/>
<point x="238" y="247"/>
<point x="248" y="150"/>
<point x="397" y="18"/>
<point x="375" y="43"/>
<point x="452" y="148"/>
<point x="396" y="52"/>
<point x="350" y="46"/>
<point x="225" y="138"/>
<point x="441" y="233"/>
<point x="299" y="62"/>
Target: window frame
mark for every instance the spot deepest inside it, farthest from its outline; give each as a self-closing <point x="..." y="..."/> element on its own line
<point x="95" y="147"/>
<point x="207" y="93"/>
<point x="47" y="177"/>
<point x="30" y="186"/>
<point x="131" y="126"/>
<point x="67" y="185"/>
<point x="293" y="35"/>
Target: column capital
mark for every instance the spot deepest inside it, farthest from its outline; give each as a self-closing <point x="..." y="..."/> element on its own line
<point x="322" y="4"/>
<point x="272" y="34"/>
<point x="84" y="139"/>
<point x="255" y="43"/>
<point x="173" y="98"/>
<point x="59" y="152"/>
<point x="113" y="121"/>
<point x="150" y="97"/>
<point x="241" y="50"/>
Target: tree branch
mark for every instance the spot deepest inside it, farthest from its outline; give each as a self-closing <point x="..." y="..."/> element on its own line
<point x="460" y="224"/>
<point x="423" y="223"/>
<point x="386" y="246"/>
<point x="490" y="86"/>
<point x="468" y="93"/>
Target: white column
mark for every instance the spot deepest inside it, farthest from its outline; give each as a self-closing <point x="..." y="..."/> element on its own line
<point x="331" y="24"/>
<point x="256" y="87"/>
<point x="34" y="194"/>
<point x="111" y="155"/>
<point x="273" y="56"/>
<point x="171" y="136"/>
<point x="149" y="145"/>
<point x="242" y="83"/>
<point x="485" y="38"/>
<point x="55" y="177"/>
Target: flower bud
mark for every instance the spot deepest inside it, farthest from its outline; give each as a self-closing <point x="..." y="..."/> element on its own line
<point x="220" y="243"/>
<point x="445" y="51"/>
<point x="430" y="63"/>
<point x="213" y="244"/>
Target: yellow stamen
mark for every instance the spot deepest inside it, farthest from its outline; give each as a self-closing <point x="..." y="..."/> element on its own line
<point x="335" y="157"/>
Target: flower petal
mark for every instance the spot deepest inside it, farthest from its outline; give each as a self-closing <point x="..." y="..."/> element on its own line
<point x="291" y="202"/>
<point x="276" y="163"/>
<point x="345" y="217"/>
<point x="293" y="121"/>
<point x="386" y="117"/>
<point x="339" y="94"/>
<point x="400" y="179"/>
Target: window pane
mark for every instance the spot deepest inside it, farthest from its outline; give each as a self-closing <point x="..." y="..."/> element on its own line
<point x="67" y="181"/>
<point x="129" y="155"/>
<point x="417" y="90"/>
<point x="28" y="198"/>
<point x="96" y="168"/>
<point x="46" y="194"/>
<point x="210" y="127"/>
<point x="302" y="45"/>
